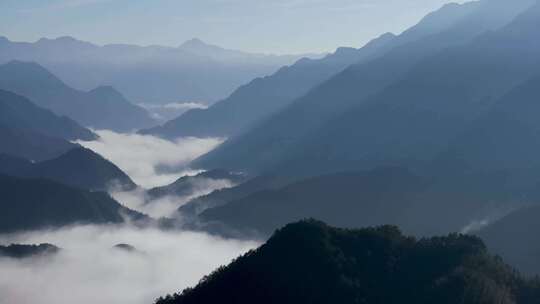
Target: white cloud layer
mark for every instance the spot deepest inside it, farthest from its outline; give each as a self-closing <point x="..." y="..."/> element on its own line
<point x="89" y="271"/>
<point x="141" y="156"/>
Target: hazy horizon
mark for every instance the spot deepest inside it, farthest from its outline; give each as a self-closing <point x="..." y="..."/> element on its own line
<point x="277" y="27"/>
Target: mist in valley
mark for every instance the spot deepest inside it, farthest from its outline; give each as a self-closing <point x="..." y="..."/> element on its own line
<point x="397" y="162"/>
<point x="150" y="161"/>
<point x="89" y="270"/>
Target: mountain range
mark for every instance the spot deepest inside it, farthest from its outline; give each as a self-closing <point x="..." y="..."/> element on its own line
<point x="35" y="133"/>
<point x="315" y="89"/>
<point x="194" y="71"/>
<point x="100" y="108"/>
<point x="401" y="108"/>
<point x="18" y="112"/>
<point x="456" y="108"/>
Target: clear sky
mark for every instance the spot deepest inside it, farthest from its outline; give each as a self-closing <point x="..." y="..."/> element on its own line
<point x="270" y="26"/>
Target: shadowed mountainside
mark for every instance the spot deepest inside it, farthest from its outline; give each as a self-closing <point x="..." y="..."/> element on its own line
<point x="399" y="109"/>
<point x="29" y="204"/>
<point x="79" y="167"/>
<point x="309" y="262"/>
<point x="102" y="107"/>
<point x="194" y="71"/>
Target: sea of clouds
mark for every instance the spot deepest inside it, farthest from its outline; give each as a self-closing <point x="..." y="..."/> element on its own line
<point x="89" y="270"/>
<point x="150" y="161"/>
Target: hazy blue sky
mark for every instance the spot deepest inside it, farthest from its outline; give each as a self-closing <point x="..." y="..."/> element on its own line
<point x="277" y="26"/>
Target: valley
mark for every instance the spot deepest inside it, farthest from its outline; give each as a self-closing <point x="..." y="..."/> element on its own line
<point x="403" y="169"/>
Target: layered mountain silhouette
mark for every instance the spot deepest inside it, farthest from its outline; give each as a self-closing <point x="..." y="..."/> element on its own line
<point x="220" y="197"/>
<point x="32" y="145"/>
<point x="20" y="113"/>
<point x="401" y="108"/>
<point x="79" y="167"/>
<point x="263" y="96"/>
<point x="102" y="108"/>
<point x="309" y="262"/>
<point x="29" y="204"/>
<point x="422" y="204"/>
<point x="194" y="71"/>
<point x="35" y="133"/>
<point x="188" y="185"/>
<point x="354" y="199"/>
<point x="254" y="102"/>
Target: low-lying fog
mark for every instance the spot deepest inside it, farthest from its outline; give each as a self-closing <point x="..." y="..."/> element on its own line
<point x="150" y="161"/>
<point x="89" y="270"/>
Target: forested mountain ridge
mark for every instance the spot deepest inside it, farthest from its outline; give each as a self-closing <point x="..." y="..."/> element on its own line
<point x="309" y="262"/>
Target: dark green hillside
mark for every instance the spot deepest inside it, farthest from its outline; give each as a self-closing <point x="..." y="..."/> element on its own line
<point x="309" y="262"/>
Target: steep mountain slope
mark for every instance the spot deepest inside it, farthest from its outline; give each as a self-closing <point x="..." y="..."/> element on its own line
<point x="194" y="71"/>
<point x="102" y="108"/>
<point x="263" y="96"/>
<point x="79" y="167"/>
<point x="363" y="115"/>
<point x="346" y="200"/>
<point x="32" y="145"/>
<point x="28" y="204"/>
<point x="252" y="103"/>
<point x="505" y="138"/>
<point x="309" y="262"/>
<point x="20" y="113"/>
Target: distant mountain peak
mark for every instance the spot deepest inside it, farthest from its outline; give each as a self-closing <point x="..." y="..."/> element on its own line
<point x="64" y="41"/>
<point x="198" y="44"/>
<point x="194" y="41"/>
<point x="107" y="91"/>
<point x="31" y="69"/>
